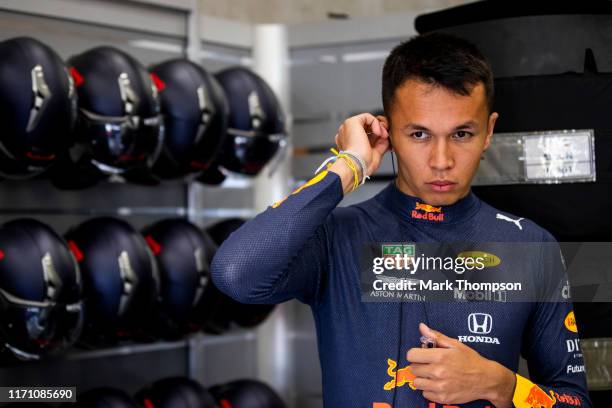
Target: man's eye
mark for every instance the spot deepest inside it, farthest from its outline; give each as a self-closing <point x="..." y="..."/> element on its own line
<point x="462" y="134"/>
<point x="419" y="135"/>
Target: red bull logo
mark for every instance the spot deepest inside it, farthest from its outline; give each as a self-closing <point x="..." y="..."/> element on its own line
<point x="568" y="399"/>
<point x="537" y="398"/>
<point x="427" y="212"/>
<point x="400" y="377"/>
<point x="427" y="208"/>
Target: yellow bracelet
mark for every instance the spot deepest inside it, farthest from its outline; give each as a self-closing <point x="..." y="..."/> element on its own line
<point x="351" y="164"/>
<point x="347" y="156"/>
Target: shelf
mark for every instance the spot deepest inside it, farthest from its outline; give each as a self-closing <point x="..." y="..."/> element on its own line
<point x="192" y="342"/>
<point x="129" y="211"/>
<point x="127" y="350"/>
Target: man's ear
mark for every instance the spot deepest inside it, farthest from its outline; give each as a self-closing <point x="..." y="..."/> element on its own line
<point x="490" y="128"/>
<point x="387" y="123"/>
<point x="384" y="120"/>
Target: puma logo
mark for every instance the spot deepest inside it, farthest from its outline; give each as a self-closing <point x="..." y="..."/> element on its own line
<point x="516" y="222"/>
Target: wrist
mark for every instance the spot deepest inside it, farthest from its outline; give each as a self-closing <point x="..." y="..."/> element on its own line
<point x="346" y="175"/>
<point x="499" y="390"/>
<point x="360" y="165"/>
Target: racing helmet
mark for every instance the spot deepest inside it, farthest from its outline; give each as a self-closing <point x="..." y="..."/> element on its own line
<point x="183" y="258"/>
<point x="40" y="291"/>
<point x="37" y="107"/>
<point x="247" y="393"/>
<point x="176" y="392"/>
<point x="195" y="114"/>
<point x="119" y="126"/>
<point x="119" y="276"/>
<point x="212" y="314"/>
<point x="256" y="127"/>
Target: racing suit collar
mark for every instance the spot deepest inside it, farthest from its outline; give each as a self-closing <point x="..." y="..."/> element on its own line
<point x="414" y="209"/>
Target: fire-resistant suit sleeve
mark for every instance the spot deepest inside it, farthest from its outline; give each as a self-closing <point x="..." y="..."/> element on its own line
<point x="281" y="253"/>
<point x="551" y="347"/>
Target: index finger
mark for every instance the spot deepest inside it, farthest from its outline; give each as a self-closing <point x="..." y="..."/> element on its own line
<point x="423" y="355"/>
<point x="369" y="120"/>
<point x="365" y="118"/>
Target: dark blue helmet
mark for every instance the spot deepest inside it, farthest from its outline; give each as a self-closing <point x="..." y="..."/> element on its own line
<point x="256" y="126"/>
<point x="120" y="279"/>
<point x="176" y="392"/>
<point x="247" y="394"/>
<point x="119" y="128"/>
<point x="40" y="291"/>
<point x="37" y="107"/>
<point x="183" y="253"/>
<point x="195" y="114"/>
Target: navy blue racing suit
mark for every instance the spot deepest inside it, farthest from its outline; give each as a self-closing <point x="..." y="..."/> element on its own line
<point x="306" y="248"/>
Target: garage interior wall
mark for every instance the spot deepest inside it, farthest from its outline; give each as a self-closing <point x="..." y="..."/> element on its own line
<point x="308" y="11"/>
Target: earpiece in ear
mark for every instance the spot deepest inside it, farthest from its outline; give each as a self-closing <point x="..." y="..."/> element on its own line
<point x="393" y="165"/>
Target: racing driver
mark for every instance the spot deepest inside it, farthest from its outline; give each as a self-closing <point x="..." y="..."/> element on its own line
<point x="437" y="93"/>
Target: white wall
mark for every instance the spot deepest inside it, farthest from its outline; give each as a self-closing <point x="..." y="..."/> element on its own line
<point x="299" y="11"/>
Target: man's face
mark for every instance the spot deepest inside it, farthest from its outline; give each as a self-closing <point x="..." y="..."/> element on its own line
<point x="439" y="137"/>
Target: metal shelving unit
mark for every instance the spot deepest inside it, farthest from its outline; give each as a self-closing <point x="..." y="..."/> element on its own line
<point x="151" y="31"/>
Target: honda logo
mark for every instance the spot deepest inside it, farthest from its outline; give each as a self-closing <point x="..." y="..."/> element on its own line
<point x="480" y="323"/>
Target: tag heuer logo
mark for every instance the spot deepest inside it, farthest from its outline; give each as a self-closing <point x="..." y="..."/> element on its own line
<point x="398" y="249"/>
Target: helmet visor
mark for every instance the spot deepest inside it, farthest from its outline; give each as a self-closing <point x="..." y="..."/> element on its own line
<point x="249" y="152"/>
<point x="122" y="143"/>
<point x="30" y="329"/>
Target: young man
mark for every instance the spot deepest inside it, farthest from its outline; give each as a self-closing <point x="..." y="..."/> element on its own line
<point x="437" y="94"/>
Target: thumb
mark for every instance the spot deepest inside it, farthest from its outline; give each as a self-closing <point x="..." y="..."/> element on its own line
<point x="440" y="339"/>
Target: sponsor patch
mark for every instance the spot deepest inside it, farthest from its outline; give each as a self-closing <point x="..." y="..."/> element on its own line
<point x="570" y="322"/>
<point x="427" y="212"/>
<point x="529" y="395"/>
<point x="400" y="377"/>
<point x="486" y="259"/>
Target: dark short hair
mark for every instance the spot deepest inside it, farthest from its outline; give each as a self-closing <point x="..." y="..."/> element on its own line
<point x="437" y="59"/>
